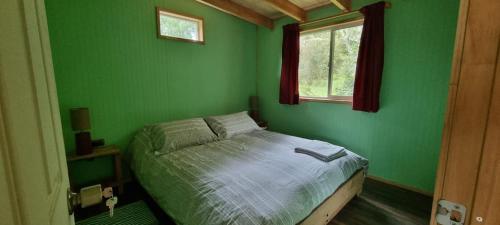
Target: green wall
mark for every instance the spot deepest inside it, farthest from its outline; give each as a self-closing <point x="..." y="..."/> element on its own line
<point x="107" y="57"/>
<point x="402" y="140"/>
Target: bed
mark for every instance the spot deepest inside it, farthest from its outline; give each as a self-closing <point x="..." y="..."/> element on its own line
<point x="252" y="178"/>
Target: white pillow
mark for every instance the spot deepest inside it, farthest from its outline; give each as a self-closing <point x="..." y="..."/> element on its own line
<point x="171" y="136"/>
<point x="226" y="126"/>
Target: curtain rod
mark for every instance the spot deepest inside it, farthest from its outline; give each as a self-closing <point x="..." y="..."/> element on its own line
<point x="387" y="5"/>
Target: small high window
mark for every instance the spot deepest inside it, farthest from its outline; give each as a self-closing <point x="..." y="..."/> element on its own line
<point x="327" y="63"/>
<point x="178" y="26"/>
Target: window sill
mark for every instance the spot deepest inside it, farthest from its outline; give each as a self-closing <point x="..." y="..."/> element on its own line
<point x="326" y="100"/>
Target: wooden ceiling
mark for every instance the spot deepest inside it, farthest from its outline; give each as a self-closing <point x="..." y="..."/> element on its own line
<point x="269" y="11"/>
<point x="263" y="12"/>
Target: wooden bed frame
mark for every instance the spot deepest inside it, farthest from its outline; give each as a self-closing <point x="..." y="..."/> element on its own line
<point x="325" y="212"/>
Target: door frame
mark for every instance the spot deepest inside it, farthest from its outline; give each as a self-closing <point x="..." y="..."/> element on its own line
<point x="469" y="101"/>
<point x="452" y="97"/>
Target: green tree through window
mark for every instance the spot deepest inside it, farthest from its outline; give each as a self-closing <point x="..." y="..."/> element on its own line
<point x="171" y="26"/>
<point x="328" y="62"/>
<point x="179" y="26"/>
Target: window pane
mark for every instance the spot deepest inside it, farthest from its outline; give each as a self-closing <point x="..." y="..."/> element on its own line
<point x="313" y="64"/>
<point x="345" y="56"/>
<point x="178" y="27"/>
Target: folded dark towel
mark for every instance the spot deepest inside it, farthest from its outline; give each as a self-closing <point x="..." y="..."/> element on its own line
<point x="321" y="150"/>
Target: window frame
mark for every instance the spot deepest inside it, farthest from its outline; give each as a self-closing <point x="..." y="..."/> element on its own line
<point x="199" y="20"/>
<point x="334" y="26"/>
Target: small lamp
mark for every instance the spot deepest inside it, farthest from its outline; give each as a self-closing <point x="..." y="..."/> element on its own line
<point x="80" y="123"/>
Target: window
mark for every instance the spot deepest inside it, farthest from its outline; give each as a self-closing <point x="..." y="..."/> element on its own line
<point x="327" y="64"/>
<point x="179" y="27"/>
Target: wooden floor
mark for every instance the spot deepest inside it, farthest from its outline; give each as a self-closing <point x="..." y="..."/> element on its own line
<point x="379" y="204"/>
<point x="382" y="204"/>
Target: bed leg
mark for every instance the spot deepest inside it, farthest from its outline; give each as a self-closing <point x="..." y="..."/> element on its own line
<point x="358" y="194"/>
<point x="360" y="190"/>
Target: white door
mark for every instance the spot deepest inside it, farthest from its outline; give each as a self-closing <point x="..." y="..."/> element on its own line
<point x="33" y="172"/>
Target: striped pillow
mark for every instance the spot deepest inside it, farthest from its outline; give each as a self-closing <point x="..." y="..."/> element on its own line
<point x="227" y="126"/>
<point x="171" y="136"/>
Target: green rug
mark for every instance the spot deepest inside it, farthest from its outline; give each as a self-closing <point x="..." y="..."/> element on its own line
<point x="136" y="213"/>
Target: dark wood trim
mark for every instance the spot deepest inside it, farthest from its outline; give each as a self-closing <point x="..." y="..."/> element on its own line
<point x="201" y="28"/>
<point x="382" y="204"/>
<point x="402" y="186"/>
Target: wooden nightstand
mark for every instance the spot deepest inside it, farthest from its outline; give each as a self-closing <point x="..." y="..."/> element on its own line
<point x="105" y="151"/>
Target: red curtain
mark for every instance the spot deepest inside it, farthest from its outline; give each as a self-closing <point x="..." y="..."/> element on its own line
<point x="289" y="84"/>
<point x="370" y="60"/>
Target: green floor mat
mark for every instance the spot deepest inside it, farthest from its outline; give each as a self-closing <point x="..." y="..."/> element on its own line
<point x="136" y="213"/>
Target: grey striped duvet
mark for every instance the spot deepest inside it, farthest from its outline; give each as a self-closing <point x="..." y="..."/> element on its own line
<point x="253" y="178"/>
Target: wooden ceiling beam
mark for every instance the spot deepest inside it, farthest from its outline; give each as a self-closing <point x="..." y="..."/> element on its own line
<point x="289" y="9"/>
<point x="240" y="12"/>
<point x="344" y="5"/>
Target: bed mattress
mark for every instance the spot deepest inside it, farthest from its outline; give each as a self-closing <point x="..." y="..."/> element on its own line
<point x="254" y="178"/>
